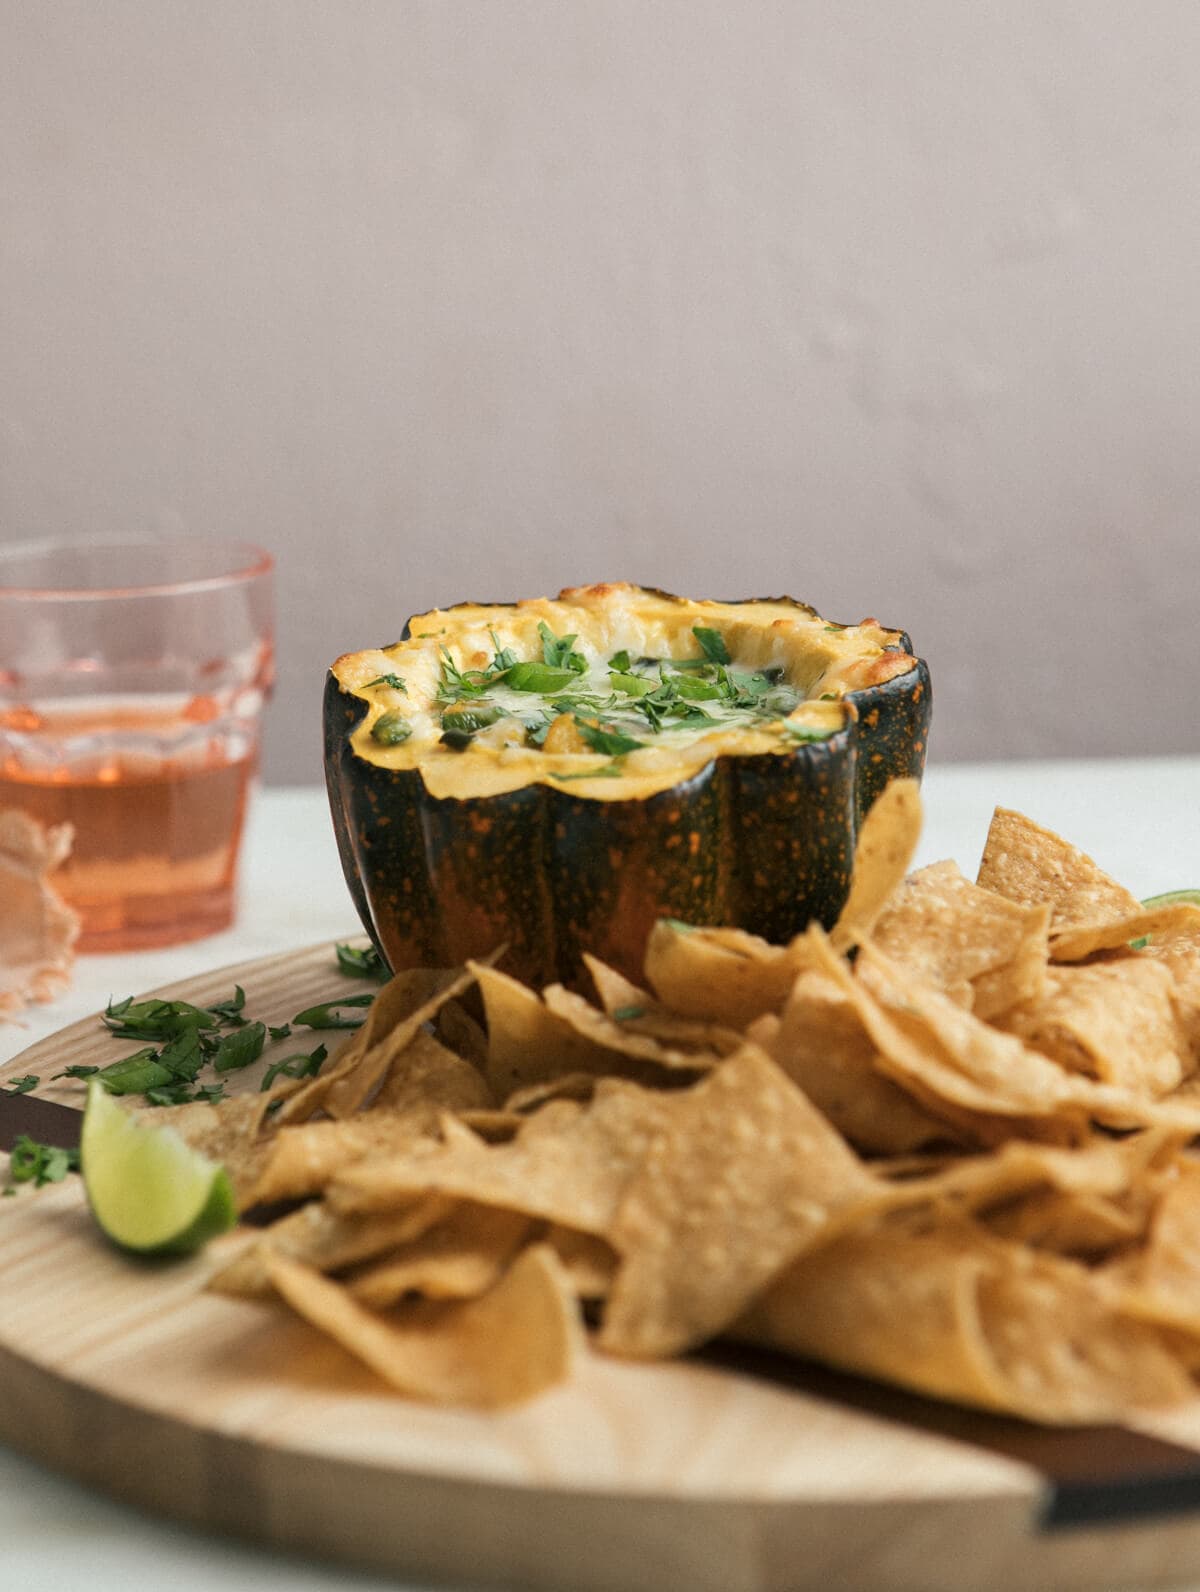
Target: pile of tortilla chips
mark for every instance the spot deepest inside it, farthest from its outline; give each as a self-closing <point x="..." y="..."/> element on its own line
<point x="945" y="1144"/>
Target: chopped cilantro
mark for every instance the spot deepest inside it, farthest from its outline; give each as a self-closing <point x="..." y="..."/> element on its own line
<point x="611" y="742"/>
<point x="712" y="644"/>
<point x="135" y="1074"/>
<point x="22" y="1085"/>
<point x="230" y="1011"/>
<point x="239" y="1049"/>
<point x="168" y="1076"/>
<point x="536" y="730"/>
<point x="181" y="1093"/>
<point x="393" y="680"/>
<point x="503" y="658"/>
<point x="543" y="678"/>
<point x="456" y="683"/>
<point x="694" y="689"/>
<point x="39" y="1164"/>
<point x="299" y="1066"/>
<point x="359" y="964"/>
<point x="327" y="1015"/>
<point x="607" y="771"/>
<point x="184" y="1055"/>
<point x="635" y="685"/>
<point x="557" y="651"/>
<point x="155" y="1019"/>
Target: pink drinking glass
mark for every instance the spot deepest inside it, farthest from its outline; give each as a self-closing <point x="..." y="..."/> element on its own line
<point x="133" y="676"/>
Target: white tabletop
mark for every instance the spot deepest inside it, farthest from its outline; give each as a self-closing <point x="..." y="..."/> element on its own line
<point x="1139" y="818"/>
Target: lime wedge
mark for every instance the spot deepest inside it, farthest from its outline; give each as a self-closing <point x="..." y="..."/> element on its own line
<point x="1170" y="898"/>
<point x="148" y="1190"/>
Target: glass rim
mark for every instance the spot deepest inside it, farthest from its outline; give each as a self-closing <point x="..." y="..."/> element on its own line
<point x="247" y="562"/>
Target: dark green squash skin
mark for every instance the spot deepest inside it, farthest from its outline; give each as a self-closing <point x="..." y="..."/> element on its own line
<point x="764" y="842"/>
<point x="893" y="730"/>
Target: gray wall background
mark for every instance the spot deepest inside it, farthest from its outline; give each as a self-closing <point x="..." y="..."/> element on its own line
<point x="891" y="307"/>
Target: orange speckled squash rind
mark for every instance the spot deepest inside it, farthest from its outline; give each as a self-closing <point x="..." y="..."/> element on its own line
<point x="765" y="842"/>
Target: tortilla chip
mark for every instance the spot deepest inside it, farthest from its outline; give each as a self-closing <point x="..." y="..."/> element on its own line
<point x="1088" y="1226"/>
<point x="1085" y="939"/>
<point x="963" y="940"/>
<point x="350" y="1086"/>
<point x="981" y="1184"/>
<point x="38" y="930"/>
<point x="459" y="1030"/>
<point x="230" y="1131"/>
<point x="741" y="1177"/>
<point x="401" y="999"/>
<point x="458" y="1258"/>
<point x="887" y="840"/>
<point x="955" y="1066"/>
<point x="987" y="1083"/>
<point x="513" y="1342"/>
<point x="302" y="1157"/>
<point x="1030" y="865"/>
<point x="1180" y="955"/>
<point x="589" y="1262"/>
<point x="821" y="1044"/>
<point x="568" y="1164"/>
<point x="962" y="1315"/>
<point x="1161" y="1281"/>
<point x="1021" y="979"/>
<point x="527" y="1043"/>
<point x="320" y="1238"/>
<point x="719" y="975"/>
<point x="569" y="1086"/>
<point x="427" y="1078"/>
<point x="615" y="991"/>
<point x="495" y="1124"/>
<point x="1112" y="1020"/>
<point x="668" y="1043"/>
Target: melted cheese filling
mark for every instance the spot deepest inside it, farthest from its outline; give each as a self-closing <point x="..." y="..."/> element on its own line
<point x="789" y="671"/>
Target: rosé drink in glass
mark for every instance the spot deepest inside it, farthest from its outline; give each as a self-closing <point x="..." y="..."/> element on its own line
<point x="132" y="681"/>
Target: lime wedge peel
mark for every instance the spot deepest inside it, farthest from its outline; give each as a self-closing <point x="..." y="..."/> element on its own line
<point x="149" y="1192"/>
<point x="1170" y="898"/>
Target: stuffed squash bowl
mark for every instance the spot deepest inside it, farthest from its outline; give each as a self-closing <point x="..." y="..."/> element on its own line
<point x="557" y="773"/>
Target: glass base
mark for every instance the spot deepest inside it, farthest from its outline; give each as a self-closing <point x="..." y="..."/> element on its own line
<point x="143" y="923"/>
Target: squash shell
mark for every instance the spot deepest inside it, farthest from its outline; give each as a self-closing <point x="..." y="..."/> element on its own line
<point x="763" y="842"/>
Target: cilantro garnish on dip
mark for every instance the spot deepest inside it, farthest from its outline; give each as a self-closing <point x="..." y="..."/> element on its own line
<point x="652" y="693"/>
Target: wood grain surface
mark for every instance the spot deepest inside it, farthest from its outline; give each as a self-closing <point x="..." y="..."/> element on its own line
<point x="696" y="1475"/>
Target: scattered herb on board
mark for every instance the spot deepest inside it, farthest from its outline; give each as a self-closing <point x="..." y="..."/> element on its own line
<point x="31" y="1162"/>
<point x="299" y="1066"/>
<point x="329" y="1015"/>
<point x="358" y="964"/>
<point x="193" y="1037"/>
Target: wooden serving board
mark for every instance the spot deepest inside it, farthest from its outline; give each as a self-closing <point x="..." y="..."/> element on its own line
<point x="732" y="1473"/>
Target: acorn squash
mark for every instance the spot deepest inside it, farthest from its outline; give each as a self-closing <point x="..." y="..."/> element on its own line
<point x="557" y="774"/>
